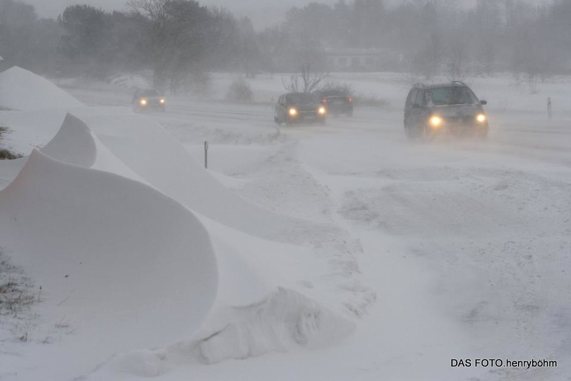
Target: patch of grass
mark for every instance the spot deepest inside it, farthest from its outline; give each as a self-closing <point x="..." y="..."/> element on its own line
<point x="13" y="298"/>
<point x="6" y="154"/>
<point x="18" y="296"/>
<point x="16" y="291"/>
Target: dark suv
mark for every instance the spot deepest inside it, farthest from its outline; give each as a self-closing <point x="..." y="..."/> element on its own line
<point x="299" y="107"/>
<point x="450" y="108"/>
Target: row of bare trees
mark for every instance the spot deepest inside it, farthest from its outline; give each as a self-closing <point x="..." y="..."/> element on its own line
<point x="180" y="39"/>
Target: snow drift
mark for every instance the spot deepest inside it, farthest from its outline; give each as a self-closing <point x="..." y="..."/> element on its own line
<point x="164" y="163"/>
<point x="21" y="89"/>
<point x="115" y="256"/>
<point x="261" y="307"/>
<point x="76" y="144"/>
<point x="112" y="255"/>
<point x="282" y="321"/>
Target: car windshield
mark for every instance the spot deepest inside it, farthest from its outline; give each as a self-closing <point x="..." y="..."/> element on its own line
<point x="149" y="93"/>
<point x="301" y="98"/>
<point x="451" y="95"/>
<point x="334" y="93"/>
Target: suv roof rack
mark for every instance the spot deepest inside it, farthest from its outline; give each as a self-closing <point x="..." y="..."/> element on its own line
<point x="420" y="85"/>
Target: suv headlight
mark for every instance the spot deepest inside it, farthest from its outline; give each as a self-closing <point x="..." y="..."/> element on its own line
<point x="436" y="121"/>
<point x="481" y="117"/>
<point x="321" y="110"/>
<point x="292" y="111"/>
<point x="143" y="102"/>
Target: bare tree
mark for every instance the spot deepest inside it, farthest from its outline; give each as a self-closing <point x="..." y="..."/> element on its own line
<point x="304" y="81"/>
<point x="180" y="33"/>
<point x="153" y="9"/>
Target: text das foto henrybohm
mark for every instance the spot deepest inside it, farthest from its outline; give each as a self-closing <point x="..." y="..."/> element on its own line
<point x="502" y="363"/>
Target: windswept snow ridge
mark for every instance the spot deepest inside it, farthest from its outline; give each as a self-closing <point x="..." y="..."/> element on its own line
<point x="73" y="144"/>
<point x="76" y="144"/>
<point x="111" y="254"/>
<point x="21" y="89"/>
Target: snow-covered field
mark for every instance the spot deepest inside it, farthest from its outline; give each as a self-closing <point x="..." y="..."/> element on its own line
<point x="303" y="253"/>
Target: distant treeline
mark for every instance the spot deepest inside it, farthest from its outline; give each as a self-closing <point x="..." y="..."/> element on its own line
<point x="180" y="39"/>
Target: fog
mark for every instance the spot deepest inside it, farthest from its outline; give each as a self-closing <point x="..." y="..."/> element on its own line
<point x="422" y="38"/>
<point x="410" y="209"/>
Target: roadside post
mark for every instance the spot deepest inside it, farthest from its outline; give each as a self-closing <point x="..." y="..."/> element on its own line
<point x="206" y="154"/>
<point x="549" y="110"/>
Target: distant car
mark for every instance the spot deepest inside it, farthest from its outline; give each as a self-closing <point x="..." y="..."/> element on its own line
<point x="450" y="108"/>
<point x="149" y="99"/>
<point x="337" y="101"/>
<point x="299" y="107"/>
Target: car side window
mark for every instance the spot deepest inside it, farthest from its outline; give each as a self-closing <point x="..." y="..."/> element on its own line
<point x="409" y="99"/>
<point x="420" y="100"/>
<point x="414" y="97"/>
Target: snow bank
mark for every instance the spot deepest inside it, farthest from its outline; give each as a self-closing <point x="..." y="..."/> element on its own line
<point x="113" y="256"/>
<point x="23" y="90"/>
<point x="268" y="301"/>
<point x="283" y="321"/>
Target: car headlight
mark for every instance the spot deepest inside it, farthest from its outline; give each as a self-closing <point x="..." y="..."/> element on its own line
<point x="321" y="110"/>
<point x="481" y="117"/>
<point x="143" y="102"/>
<point x="436" y="121"/>
<point x="162" y="101"/>
<point x="293" y="112"/>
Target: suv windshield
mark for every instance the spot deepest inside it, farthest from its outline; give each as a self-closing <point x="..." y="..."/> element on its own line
<point x="451" y="95"/>
<point x="334" y="93"/>
<point x="149" y="93"/>
<point x="301" y="98"/>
